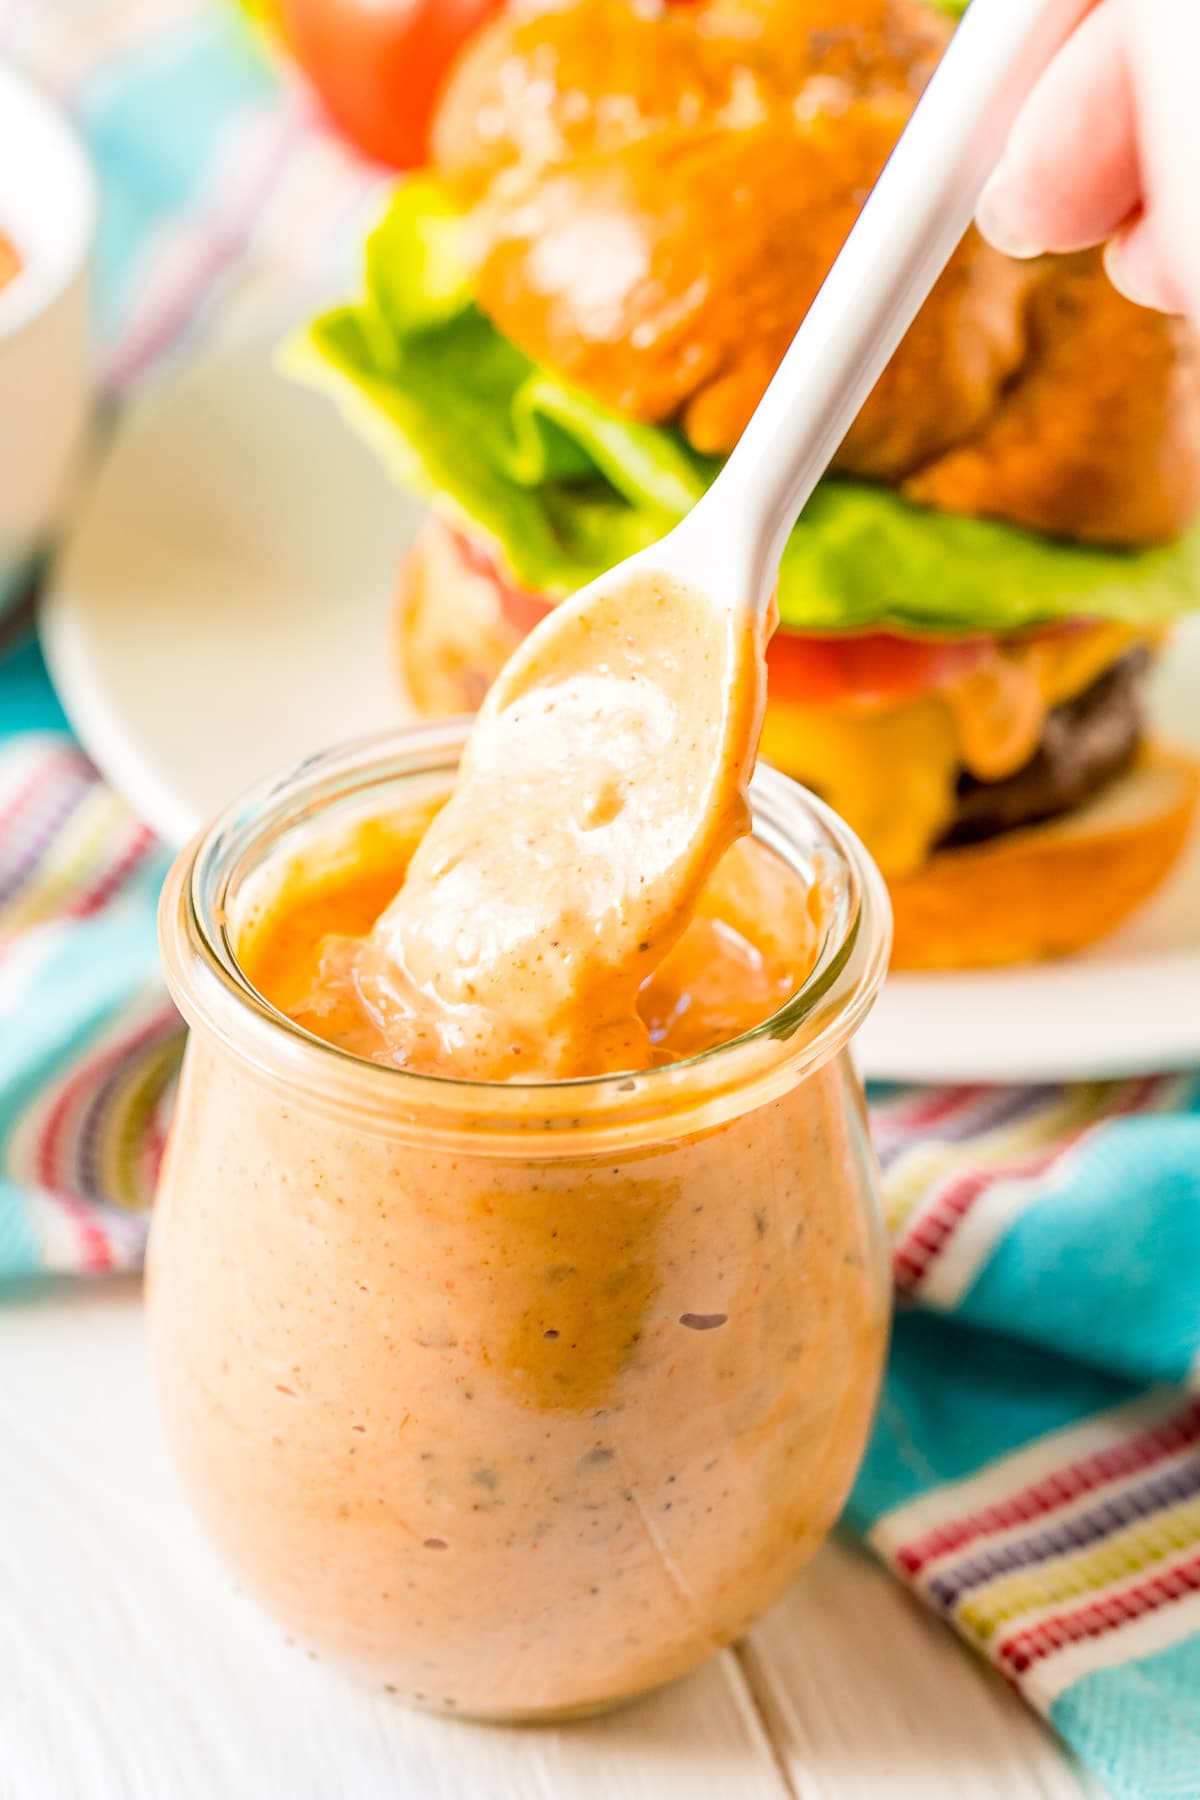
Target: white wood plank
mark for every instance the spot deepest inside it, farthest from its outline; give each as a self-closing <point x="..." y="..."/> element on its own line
<point x="868" y="1698"/>
<point x="130" y="1670"/>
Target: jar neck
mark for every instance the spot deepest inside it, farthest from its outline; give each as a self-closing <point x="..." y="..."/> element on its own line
<point x="415" y="769"/>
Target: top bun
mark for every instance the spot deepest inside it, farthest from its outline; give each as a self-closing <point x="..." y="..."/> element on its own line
<point x="656" y="196"/>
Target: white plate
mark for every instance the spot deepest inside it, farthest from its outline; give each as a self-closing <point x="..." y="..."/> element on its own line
<point x="223" y="608"/>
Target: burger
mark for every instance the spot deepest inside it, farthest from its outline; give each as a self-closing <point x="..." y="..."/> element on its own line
<point x="567" y="322"/>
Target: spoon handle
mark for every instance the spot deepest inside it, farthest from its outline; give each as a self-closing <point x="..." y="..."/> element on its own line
<point x="906" y="233"/>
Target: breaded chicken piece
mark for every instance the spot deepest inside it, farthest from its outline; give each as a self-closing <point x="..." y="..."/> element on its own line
<point x="549" y="82"/>
<point x="669" y="277"/>
<point x="655" y="196"/>
<point x="541" y="87"/>
<point x="1098" y="437"/>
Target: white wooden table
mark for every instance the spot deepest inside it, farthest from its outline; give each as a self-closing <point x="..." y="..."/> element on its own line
<point x="130" y="1669"/>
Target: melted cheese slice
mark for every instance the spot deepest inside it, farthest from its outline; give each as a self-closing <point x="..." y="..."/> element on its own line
<point x="891" y="772"/>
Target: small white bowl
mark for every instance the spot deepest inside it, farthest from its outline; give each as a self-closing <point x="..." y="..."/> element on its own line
<point x="48" y="211"/>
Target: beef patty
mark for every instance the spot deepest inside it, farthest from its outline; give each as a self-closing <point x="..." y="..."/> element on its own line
<point x="1085" y="743"/>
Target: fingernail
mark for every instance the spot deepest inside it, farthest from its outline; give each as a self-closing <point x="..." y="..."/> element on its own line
<point x="1114" y="268"/>
<point x="990" y="220"/>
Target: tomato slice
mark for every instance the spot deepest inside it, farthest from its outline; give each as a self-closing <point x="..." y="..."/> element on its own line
<point x="379" y="65"/>
<point x="874" y="668"/>
<point x="519" y="607"/>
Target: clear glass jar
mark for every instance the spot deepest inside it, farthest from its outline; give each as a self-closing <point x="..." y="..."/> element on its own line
<point x="518" y="1400"/>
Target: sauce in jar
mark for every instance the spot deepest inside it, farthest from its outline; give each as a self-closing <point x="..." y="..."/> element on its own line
<point x="516" y="1397"/>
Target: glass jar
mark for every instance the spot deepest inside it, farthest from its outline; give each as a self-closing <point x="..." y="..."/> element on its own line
<point x="515" y="1399"/>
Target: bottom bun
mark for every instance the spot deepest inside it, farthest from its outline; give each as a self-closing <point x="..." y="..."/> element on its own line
<point x="1050" y="889"/>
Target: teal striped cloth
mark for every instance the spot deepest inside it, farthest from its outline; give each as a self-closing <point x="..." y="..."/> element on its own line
<point x="1035" y="1472"/>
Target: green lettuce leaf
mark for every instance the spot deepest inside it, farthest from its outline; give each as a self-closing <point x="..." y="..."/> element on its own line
<point x="565" y="488"/>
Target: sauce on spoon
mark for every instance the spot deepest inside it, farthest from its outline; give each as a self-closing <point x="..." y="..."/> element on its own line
<point x="605" y="778"/>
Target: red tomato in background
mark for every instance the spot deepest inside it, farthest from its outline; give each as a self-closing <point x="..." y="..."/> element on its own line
<point x="379" y="65"/>
<point x="875" y="668"/>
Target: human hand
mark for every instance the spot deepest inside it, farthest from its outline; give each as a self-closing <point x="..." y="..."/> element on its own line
<point x="1108" y="148"/>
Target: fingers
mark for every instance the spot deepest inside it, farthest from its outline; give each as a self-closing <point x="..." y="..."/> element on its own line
<point x="1164" y="59"/>
<point x="1070" y="175"/>
<point x="1138" y="269"/>
<point x="1108" y="147"/>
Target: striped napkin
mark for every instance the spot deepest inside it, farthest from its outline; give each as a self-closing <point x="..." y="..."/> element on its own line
<point x="1035" y="1472"/>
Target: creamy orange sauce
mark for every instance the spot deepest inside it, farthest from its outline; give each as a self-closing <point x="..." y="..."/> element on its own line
<point x="514" y="1435"/>
<point x="515" y="1429"/>
<point x="748" y="947"/>
<point x="603" y="781"/>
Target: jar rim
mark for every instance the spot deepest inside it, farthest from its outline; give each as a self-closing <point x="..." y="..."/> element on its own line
<point x="214" y="994"/>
